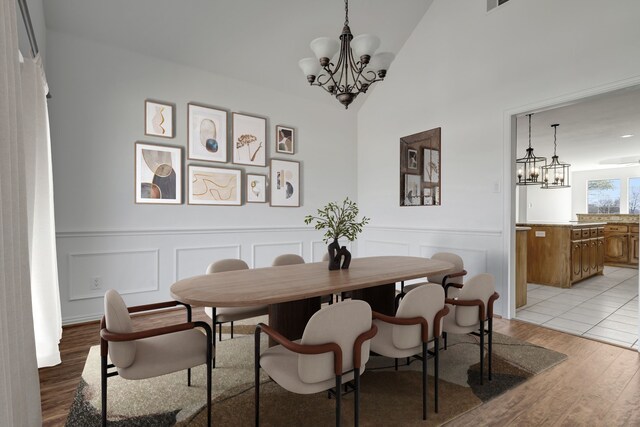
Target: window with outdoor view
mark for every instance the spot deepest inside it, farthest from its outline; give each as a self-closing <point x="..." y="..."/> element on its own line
<point x="634" y="195"/>
<point x="603" y="196"/>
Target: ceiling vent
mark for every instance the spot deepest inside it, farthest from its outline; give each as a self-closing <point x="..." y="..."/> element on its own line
<point x="492" y="4"/>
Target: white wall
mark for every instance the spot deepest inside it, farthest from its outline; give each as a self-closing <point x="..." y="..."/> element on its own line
<point x="96" y="117"/>
<point x="551" y="205"/>
<point x="468" y="71"/>
<point x="579" y="188"/>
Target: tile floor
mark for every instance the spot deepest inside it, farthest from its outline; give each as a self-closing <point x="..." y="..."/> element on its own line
<point x="603" y="307"/>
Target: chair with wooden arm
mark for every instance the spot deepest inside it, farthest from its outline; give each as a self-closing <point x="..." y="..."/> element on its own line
<point x="471" y="311"/>
<point x="231" y="314"/>
<point x="151" y="352"/>
<point x="333" y="350"/>
<point x="416" y="327"/>
<point x="451" y="278"/>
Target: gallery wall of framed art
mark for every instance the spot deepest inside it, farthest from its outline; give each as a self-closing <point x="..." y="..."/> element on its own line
<point x="420" y="169"/>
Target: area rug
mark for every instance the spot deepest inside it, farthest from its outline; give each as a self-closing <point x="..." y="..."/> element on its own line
<point x="388" y="397"/>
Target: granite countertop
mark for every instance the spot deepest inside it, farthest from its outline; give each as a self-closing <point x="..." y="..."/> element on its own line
<point x="522" y="228"/>
<point x="561" y="224"/>
<point x="610" y="218"/>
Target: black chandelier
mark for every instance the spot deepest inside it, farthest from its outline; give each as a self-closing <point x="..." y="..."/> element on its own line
<point x="555" y="175"/>
<point x="530" y="167"/>
<point x="356" y="68"/>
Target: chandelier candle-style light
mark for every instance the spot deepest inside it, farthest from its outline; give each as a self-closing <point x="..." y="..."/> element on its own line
<point x="356" y="68"/>
<point x="529" y="167"/>
<point x="555" y="175"/>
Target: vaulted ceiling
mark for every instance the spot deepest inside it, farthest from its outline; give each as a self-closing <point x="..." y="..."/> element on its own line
<point x="258" y="41"/>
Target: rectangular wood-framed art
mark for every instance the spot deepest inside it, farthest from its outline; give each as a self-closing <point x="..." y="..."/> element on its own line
<point x="420" y="168"/>
<point x="285" y="183"/>
<point x="249" y="142"/>
<point x="214" y="186"/>
<point x="256" y="188"/>
<point x="158" y="174"/>
<point x="285" y="140"/>
<point x="207" y="133"/>
<point x="159" y="118"/>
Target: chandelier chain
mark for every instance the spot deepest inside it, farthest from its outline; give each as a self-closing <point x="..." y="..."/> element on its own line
<point x="529" y="129"/>
<point x="555" y="143"/>
<point x="346" y="12"/>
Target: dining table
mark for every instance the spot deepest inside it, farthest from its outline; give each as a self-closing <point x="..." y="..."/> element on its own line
<point x="294" y="292"/>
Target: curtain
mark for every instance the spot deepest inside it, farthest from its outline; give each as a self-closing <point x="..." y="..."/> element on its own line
<point x="19" y="385"/>
<point x="45" y="295"/>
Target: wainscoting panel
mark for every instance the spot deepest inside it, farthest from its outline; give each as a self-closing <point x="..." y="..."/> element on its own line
<point x="386" y="248"/>
<point x="132" y="271"/>
<point x="194" y="261"/>
<point x="475" y="260"/>
<point x="263" y="254"/>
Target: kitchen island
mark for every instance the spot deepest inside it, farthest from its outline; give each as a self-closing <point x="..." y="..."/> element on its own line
<point x="621" y="238"/>
<point x="561" y="254"/>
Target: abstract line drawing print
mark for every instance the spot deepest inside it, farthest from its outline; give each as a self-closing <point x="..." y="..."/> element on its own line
<point x="213" y="186"/>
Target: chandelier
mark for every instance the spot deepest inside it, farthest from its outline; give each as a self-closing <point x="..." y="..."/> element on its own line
<point x="530" y="167"/>
<point x="555" y="175"/>
<point x="356" y="68"/>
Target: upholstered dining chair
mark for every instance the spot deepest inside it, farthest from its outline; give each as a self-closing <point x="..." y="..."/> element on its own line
<point x="451" y="278"/>
<point x="151" y="352"/>
<point x="416" y="326"/>
<point x="471" y="312"/>
<point x="333" y="350"/>
<point x="231" y="314"/>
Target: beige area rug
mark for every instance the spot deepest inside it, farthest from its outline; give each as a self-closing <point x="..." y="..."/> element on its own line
<point x="387" y="397"/>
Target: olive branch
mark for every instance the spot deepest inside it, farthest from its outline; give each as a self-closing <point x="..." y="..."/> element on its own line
<point x="339" y="221"/>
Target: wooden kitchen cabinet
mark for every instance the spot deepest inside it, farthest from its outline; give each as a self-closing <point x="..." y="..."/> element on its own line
<point x="633" y="253"/>
<point x="616" y="237"/>
<point x="562" y="254"/>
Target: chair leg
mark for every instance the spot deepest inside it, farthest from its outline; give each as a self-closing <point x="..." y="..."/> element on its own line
<point x="490" y="343"/>
<point x="482" y="352"/>
<point x="424" y="380"/>
<point x="436" y="370"/>
<point x="231" y="330"/>
<point x="189" y="377"/>
<point x="220" y="331"/>
<point x="256" y="369"/>
<point x="213" y="334"/>
<point x="103" y="375"/>
<point x="338" y="398"/>
<point x="356" y="399"/>
<point x="211" y="337"/>
<point x="444" y="335"/>
<point x="396" y="363"/>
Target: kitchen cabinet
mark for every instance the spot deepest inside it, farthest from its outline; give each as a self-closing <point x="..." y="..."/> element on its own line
<point x="562" y="254"/>
<point x="621" y="244"/>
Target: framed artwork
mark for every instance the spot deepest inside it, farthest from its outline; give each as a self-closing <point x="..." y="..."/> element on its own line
<point x="421" y="168"/>
<point x="206" y="133"/>
<point x="412" y="190"/>
<point x="431" y="162"/>
<point x="285" y="183"/>
<point x="158" y="118"/>
<point x="249" y="140"/>
<point x="256" y="188"/>
<point x="285" y="140"/>
<point x="412" y="159"/>
<point x="158" y="174"/>
<point x="214" y="186"/>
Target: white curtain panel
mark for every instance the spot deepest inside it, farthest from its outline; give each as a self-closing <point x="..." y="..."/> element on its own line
<point x="45" y="295"/>
<point x="19" y="384"/>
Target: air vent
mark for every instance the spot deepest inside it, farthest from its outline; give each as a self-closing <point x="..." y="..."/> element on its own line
<point x="492" y="4"/>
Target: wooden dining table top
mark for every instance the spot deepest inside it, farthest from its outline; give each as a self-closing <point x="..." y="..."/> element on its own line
<point x="272" y="285"/>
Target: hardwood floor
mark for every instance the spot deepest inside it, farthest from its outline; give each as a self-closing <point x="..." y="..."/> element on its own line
<point x="599" y="384"/>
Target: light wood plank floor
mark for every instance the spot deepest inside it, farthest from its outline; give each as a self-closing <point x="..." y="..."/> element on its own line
<point x="599" y="384"/>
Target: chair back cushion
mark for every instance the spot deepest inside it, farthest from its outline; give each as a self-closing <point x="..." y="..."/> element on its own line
<point x="117" y="317"/>
<point x="452" y="258"/>
<point x="340" y="323"/>
<point x="479" y="287"/>
<point x="423" y="301"/>
<point x="227" y="265"/>
<point x="288" y="259"/>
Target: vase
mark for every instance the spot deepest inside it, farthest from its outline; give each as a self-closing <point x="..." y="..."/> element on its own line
<point x="339" y="257"/>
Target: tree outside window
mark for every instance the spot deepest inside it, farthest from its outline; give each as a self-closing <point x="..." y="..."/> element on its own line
<point x="634" y="195"/>
<point x="603" y="196"/>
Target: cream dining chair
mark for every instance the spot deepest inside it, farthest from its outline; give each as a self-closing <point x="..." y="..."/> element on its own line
<point x="152" y="352"/>
<point x="471" y="312"/>
<point x="416" y="327"/>
<point x="333" y="350"/>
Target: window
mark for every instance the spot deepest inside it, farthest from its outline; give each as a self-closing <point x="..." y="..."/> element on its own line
<point x="634" y="195"/>
<point x="603" y="196"/>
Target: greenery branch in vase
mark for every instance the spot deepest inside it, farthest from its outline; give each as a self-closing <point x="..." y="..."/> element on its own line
<point x="338" y="221"/>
